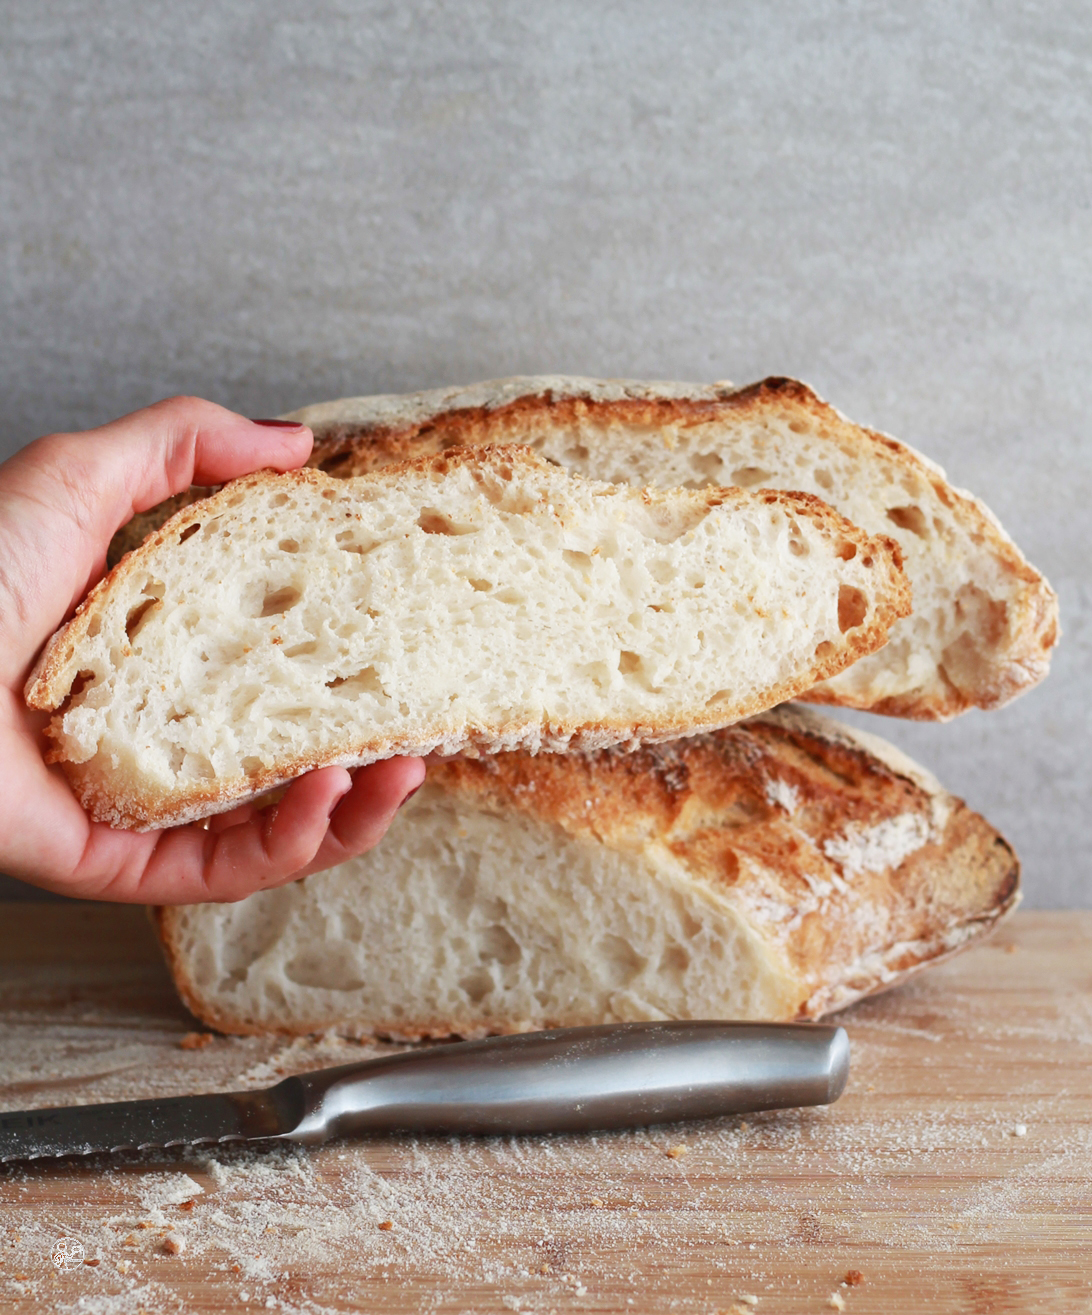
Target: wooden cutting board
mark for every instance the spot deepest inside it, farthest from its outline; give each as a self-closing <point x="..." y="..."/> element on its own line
<point x="954" y="1175"/>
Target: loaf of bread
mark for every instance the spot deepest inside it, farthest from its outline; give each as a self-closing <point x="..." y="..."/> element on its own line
<point x="778" y="869"/>
<point x="984" y="621"/>
<point x="477" y="599"/>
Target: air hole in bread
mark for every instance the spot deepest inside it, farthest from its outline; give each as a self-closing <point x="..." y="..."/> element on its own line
<point x="94" y="626"/>
<point x="477" y="985"/>
<point x="674" y="960"/>
<point x="197" y="767"/>
<point x="620" y="961"/>
<point x="597" y="672"/>
<point x="135" y="619"/>
<point x="750" y="477"/>
<point x="666" y="524"/>
<point x="302" y="650"/>
<point x="480" y="586"/>
<point x="279" y="601"/>
<point x="278" y="500"/>
<point x="852" y="608"/>
<point x="825" y="649"/>
<point x="845" y="550"/>
<point x="347" y="542"/>
<point x="798" y="547"/>
<point x="707" y="464"/>
<point x="252" y="766"/>
<point x="189" y="532"/>
<point x="579" y="561"/>
<point x="909" y="518"/>
<point x="365" y="681"/>
<point x="824" y="478"/>
<point x="632" y="666"/>
<point x="498" y="945"/>
<point x="435" y="522"/>
<point x="288" y="545"/>
<point x="83" y="679"/>
<point x="334" y="969"/>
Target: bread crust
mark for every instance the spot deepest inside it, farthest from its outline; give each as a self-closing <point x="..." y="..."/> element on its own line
<point x="846" y="860"/>
<point x="110" y="798"/>
<point x="357" y="434"/>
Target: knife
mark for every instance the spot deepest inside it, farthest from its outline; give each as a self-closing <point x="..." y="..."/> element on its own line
<point x="573" y="1079"/>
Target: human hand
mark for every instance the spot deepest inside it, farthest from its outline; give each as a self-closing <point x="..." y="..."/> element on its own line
<point x="61" y="500"/>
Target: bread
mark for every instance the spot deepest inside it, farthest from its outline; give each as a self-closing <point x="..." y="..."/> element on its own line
<point x="479" y="599"/>
<point x="984" y="621"/>
<point x="777" y="869"/>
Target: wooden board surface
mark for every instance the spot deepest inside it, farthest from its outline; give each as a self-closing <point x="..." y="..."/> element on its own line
<point x="954" y="1175"/>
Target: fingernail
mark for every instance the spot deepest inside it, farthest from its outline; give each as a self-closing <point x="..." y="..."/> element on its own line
<point x="277" y="424"/>
<point x="410" y="795"/>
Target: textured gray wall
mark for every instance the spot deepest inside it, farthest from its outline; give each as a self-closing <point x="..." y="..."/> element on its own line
<point x="274" y="203"/>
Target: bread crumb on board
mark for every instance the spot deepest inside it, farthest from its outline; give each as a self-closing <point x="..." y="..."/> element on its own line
<point x="853" y="1278"/>
<point x="676" y="1152"/>
<point x="174" y="1244"/>
<point x="836" y="1301"/>
<point x="196" y="1040"/>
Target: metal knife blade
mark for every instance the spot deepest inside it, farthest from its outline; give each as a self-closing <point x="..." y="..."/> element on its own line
<point x="564" y="1080"/>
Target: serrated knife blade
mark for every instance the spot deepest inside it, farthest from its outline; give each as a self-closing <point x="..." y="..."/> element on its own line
<point x="563" y="1080"/>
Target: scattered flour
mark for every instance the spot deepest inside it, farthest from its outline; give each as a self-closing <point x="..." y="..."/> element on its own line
<point x="899" y="1179"/>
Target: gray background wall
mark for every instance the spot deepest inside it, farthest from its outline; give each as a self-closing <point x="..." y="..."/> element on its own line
<point x="274" y="203"/>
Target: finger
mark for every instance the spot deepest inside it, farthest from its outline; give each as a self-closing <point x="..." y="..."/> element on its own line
<point x="63" y="497"/>
<point x="104" y="475"/>
<point x="222" y="821"/>
<point x="362" y="817"/>
<point x="192" y="865"/>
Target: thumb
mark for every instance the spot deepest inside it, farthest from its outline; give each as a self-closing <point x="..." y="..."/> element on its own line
<point x="104" y="475"/>
<point x="63" y="497"/>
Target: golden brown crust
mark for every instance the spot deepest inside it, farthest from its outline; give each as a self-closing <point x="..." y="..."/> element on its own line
<point x="346" y="447"/>
<point x="357" y="435"/>
<point x="109" y="798"/>
<point x="783" y="816"/>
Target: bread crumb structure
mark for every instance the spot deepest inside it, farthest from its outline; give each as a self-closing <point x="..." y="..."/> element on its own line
<point x="777" y="869"/>
<point x="480" y="600"/>
<point x="984" y="620"/>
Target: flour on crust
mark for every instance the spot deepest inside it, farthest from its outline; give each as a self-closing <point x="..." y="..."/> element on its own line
<point x="717" y="876"/>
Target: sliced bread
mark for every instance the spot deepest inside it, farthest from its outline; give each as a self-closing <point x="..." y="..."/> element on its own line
<point x="984" y="620"/>
<point x="479" y="599"/>
<point x="778" y="869"/>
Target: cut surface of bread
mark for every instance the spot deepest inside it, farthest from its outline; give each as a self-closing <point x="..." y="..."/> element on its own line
<point x="479" y="599"/>
<point x="777" y="869"/>
<point x="984" y="620"/>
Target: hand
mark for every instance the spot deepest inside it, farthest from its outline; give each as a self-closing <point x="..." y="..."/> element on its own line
<point x="61" y="500"/>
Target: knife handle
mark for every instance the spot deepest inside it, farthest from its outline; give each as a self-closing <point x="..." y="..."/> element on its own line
<point x="576" y="1079"/>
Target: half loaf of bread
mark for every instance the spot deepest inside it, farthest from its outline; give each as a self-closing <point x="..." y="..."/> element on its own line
<point x="777" y="869"/>
<point x="984" y="620"/>
<point x="480" y="599"/>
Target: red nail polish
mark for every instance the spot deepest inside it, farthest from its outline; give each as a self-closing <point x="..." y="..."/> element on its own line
<point x="277" y="424"/>
<point x="410" y="795"/>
